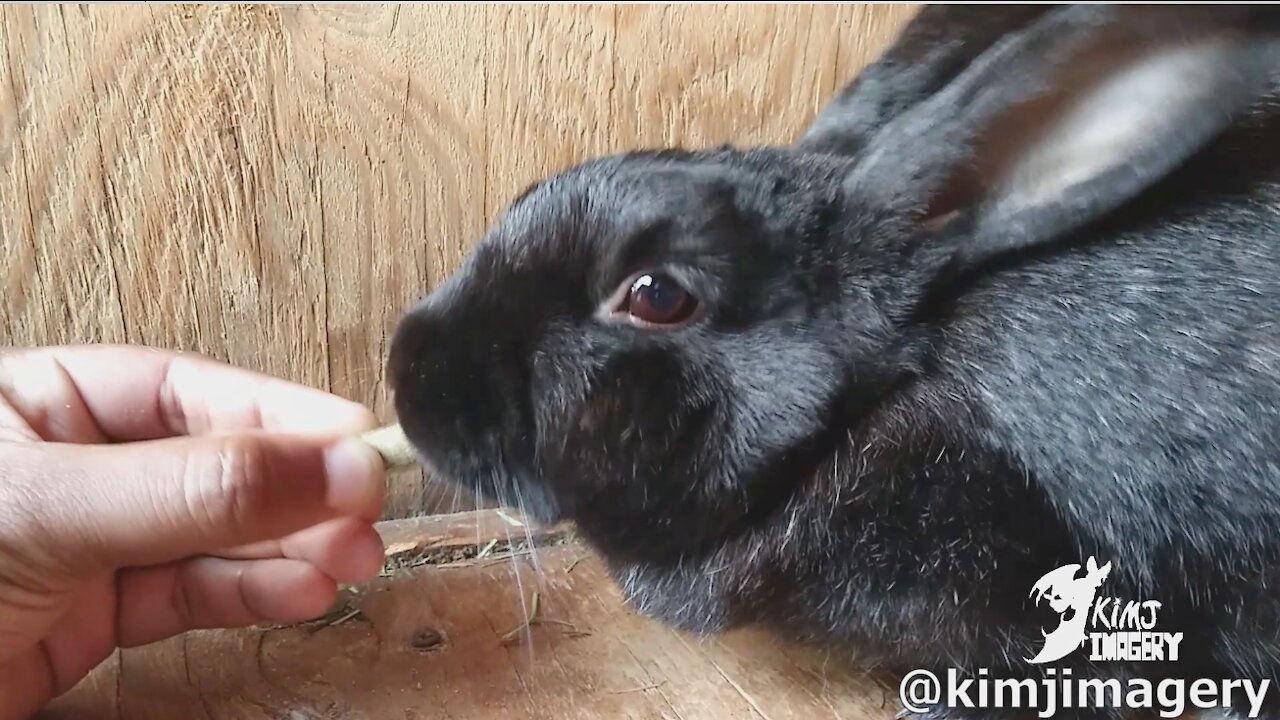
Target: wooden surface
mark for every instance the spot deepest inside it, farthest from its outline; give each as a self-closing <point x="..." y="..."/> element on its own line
<point x="441" y="638"/>
<point x="275" y="185"/>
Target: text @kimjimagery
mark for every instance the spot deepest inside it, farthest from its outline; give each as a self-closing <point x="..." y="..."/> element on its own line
<point x="921" y="690"/>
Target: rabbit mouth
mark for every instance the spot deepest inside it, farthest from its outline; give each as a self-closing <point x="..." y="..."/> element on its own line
<point x="483" y="471"/>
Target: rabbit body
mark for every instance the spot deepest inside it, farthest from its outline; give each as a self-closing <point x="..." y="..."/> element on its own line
<point x="1118" y="397"/>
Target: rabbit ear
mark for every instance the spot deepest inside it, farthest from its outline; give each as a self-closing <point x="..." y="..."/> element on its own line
<point x="1060" y="122"/>
<point x="935" y="45"/>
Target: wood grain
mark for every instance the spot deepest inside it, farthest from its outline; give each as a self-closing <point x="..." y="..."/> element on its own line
<point x="436" y="641"/>
<point x="273" y="186"/>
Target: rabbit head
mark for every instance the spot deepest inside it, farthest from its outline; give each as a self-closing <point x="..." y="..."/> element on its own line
<point x="644" y="344"/>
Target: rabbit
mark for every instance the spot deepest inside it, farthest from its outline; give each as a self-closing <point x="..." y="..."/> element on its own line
<point x="1010" y="303"/>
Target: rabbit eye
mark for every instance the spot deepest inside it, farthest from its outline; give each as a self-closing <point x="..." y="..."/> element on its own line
<point x="656" y="299"/>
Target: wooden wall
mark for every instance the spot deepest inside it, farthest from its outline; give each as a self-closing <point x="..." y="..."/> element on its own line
<point x="274" y="185"/>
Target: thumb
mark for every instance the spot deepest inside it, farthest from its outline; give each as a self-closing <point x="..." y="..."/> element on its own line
<point x="98" y="507"/>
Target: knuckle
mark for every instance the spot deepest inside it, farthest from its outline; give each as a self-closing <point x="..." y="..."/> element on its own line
<point x="232" y="487"/>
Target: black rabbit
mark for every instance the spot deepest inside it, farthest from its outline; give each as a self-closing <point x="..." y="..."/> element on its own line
<point x="1011" y="303"/>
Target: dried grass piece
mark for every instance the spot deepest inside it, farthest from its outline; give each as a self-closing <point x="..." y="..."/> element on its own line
<point x="513" y="636"/>
<point x="390" y="442"/>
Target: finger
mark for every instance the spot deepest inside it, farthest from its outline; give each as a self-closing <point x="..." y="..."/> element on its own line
<point x="52" y="659"/>
<point x="123" y="393"/>
<point x="38" y="401"/>
<point x="348" y="550"/>
<point x="159" y="602"/>
<point x="110" y="506"/>
<point x="26" y="684"/>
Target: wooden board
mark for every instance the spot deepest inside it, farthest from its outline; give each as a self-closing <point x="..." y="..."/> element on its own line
<point x="274" y="185"/>
<point x="442" y="637"/>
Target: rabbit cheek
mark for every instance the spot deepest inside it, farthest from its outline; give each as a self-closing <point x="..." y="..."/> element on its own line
<point x="628" y="465"/>
<point x="596" y="413"/>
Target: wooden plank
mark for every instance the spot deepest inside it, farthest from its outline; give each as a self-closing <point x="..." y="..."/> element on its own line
<point x="275" y="185"/>
<point x="443" y="636"/>
<point x="699" y="76"/>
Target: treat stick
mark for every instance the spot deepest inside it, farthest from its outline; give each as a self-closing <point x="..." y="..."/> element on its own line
<point x="392" y="445"/>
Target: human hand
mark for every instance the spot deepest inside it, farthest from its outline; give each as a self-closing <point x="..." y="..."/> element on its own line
<point x="146" y="493"/>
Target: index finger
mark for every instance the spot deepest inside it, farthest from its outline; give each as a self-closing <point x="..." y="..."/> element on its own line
<point x="134" y="393"/>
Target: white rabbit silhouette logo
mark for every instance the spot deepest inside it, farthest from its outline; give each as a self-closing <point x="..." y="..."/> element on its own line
<point x="1071" y="597"/>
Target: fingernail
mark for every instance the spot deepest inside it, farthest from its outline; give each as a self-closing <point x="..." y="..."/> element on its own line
<point x="354" y="473"/>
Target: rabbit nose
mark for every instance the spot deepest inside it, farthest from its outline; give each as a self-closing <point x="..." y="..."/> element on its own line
<point x="443" y="372"/>
<point x="430" y="364"/>
<point x="411" y="332"/>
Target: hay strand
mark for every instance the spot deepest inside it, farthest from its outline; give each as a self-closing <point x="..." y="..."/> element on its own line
<point x="390" y="442"/>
